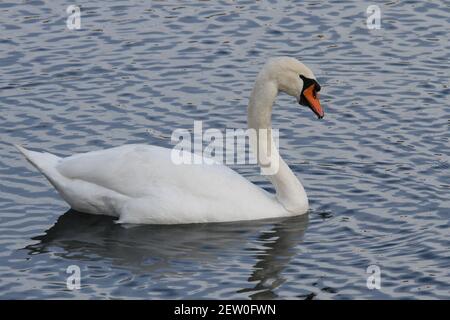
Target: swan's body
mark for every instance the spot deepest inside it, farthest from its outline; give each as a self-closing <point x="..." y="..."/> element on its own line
<point x="141" y="184"/>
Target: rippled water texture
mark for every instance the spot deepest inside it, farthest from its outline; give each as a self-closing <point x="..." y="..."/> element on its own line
<point x="376" y="169"/>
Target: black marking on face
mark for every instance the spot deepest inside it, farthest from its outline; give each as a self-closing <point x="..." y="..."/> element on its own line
<point x="307" y="82"/>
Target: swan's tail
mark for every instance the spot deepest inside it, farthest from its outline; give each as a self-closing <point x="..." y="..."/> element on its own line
<point x="45" y="162"/>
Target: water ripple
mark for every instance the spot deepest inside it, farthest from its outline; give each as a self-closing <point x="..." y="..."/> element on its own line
<point x="376" y="169"/>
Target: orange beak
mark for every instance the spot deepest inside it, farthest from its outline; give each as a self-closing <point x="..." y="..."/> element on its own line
<point x="313" y="101"/>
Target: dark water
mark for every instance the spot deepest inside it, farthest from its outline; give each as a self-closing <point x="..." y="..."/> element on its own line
<point x="376" y="169"/>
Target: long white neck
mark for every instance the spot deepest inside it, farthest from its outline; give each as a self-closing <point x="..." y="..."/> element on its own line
<point x="289" y="190"/>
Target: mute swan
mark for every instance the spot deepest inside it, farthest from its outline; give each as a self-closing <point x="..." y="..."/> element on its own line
<point x="140" y="184"/>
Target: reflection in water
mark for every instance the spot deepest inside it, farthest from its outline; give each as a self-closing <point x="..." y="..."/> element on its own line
<point x="279" y="245"/>
<point x="165" y="249"/>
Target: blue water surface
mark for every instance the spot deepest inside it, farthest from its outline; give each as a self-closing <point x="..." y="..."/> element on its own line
<point x="376" y="168"/>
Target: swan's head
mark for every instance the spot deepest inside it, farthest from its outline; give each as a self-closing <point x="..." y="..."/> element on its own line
<point x="294" y="78"/>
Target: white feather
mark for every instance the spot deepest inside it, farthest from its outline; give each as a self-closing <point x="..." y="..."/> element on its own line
<point x="140" y="184"/>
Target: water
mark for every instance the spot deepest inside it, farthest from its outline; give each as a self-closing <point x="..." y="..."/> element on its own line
<point x="376" y="168"/>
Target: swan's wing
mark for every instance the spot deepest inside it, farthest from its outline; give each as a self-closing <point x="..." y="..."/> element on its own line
<point x="140" y="170"/>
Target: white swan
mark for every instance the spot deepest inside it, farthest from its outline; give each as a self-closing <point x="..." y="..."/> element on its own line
<point x="140" y="184"/>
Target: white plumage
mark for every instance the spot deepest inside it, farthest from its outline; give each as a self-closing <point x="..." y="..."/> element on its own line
<point x="140" y="183"/>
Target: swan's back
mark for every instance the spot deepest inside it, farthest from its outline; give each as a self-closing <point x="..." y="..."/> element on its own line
<point x="133" y="170"/>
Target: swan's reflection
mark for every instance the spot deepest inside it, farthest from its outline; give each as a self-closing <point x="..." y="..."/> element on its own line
<point x="167" y="249"/>
<point x="270" y="263"/>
